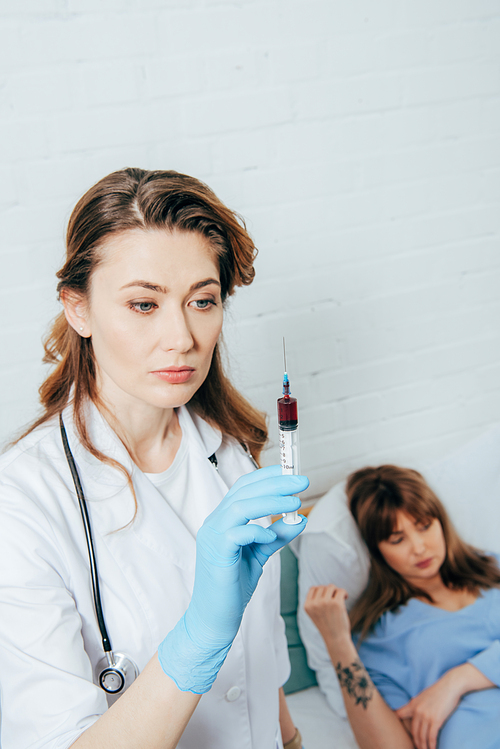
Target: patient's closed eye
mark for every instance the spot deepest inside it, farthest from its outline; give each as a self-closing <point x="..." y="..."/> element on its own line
<point x="396" y="538"/>
<point x="424" y="525"/>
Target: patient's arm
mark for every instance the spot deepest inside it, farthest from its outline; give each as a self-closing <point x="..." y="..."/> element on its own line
<point x="374" y="724"/>
<point x="433" y="706"/>
<point x="322" y="560"/>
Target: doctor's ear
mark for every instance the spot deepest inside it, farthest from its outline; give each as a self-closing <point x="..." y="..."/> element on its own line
<point x="75" y="310"/>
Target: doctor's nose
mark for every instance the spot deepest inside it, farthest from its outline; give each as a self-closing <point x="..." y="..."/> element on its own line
<point x="176" y="334"/>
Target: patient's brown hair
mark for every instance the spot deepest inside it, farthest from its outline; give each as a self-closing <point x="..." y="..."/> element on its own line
<point x="375" y="495"/>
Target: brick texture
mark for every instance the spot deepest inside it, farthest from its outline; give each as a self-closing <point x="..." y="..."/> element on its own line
<point x="360" y="141"/>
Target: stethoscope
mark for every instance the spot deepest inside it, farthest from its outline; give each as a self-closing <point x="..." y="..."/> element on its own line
<point x="114" y="672"/>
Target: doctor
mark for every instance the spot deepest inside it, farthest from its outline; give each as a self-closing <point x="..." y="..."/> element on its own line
<point x="143" y="433"/>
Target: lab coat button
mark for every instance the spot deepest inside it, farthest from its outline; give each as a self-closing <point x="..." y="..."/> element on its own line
<point x="233" y="694"/>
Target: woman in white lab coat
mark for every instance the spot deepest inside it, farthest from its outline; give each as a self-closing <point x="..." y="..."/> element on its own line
<point x="158" y="437"/>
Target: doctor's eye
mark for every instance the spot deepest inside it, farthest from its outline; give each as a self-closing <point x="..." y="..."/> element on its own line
<point x="144" y="308"/>
<point x="203" y="303"/>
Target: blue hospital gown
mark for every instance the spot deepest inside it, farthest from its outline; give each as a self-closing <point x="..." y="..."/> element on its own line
<point x="411" y="648"/>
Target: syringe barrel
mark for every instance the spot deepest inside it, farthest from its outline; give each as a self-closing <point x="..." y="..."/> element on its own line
<point x="289" y="459"/>
<point x="288" y="424"/>
<point x="289" y="451"/>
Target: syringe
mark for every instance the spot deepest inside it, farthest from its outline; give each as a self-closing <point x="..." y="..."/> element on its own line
<point x="288" y="425"/>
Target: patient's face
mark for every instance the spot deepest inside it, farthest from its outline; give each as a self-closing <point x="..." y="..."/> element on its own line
<point x="414" y="549"/>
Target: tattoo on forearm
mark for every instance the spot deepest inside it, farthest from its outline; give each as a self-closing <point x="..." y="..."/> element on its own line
<point x="355" y="680"/>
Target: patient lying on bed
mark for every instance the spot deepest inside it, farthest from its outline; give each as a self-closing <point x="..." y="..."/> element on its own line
<point x="427" y="625"/>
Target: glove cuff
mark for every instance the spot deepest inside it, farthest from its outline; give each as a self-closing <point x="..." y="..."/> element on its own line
<point x="192" y="668"/>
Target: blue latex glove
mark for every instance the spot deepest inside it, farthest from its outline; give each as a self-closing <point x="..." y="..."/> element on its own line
<point x="230" y="555"/>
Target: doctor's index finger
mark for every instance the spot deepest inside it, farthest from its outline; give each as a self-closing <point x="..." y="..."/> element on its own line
<point x="254" y="476"/>
<point x="242" y="510"/>
<point x="268" y="480"/>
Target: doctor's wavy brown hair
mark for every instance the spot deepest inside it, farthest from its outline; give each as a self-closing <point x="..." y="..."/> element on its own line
<point x="374" y="496"/>
<point x="139" y="199"/>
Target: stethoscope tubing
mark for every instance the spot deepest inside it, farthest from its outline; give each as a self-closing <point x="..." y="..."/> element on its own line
<point x="106" y="643"/>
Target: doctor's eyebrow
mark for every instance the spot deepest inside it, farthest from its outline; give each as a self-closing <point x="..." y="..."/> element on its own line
<point x="164" y="290"/>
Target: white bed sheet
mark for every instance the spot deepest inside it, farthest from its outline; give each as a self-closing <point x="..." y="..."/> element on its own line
<point x="320" y="727"/>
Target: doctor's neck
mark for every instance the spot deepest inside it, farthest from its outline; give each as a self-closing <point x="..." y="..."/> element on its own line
<point x="151" y="435"/>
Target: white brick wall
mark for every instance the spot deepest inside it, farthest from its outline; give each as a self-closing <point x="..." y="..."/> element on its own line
<point x="360" y="140"/>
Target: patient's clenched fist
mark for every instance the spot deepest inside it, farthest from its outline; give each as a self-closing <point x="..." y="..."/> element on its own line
<point x="325" y="604"/>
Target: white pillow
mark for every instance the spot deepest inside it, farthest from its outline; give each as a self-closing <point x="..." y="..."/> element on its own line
<point x="331" y="550"/>
<point x="468" y="484"/>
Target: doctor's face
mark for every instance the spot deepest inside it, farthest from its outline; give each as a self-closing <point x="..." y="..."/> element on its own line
<point x="154" y="315"/>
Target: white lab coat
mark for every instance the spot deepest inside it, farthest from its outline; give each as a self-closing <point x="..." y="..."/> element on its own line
<point x="49" y="638"/>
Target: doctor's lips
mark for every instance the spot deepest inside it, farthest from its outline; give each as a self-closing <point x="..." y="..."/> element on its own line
<point x="175" y="375"/>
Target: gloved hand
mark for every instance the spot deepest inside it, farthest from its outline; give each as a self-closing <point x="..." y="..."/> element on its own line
<point x="230" y="555"/>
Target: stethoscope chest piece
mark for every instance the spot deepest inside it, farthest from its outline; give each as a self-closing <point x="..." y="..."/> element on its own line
<point x="115" y="673"/>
